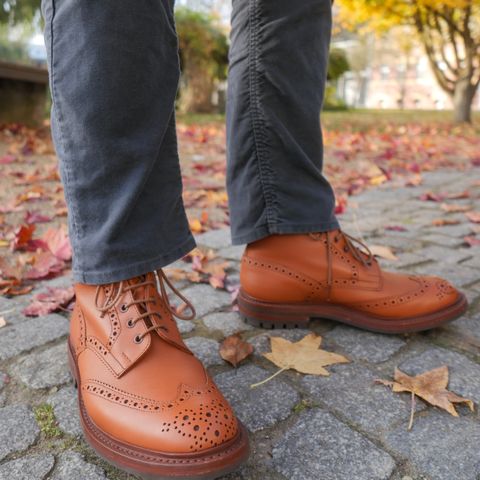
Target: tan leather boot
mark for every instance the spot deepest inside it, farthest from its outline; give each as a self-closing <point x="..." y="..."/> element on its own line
<point x="286" y="280"/>
<point x="147" y="404"/>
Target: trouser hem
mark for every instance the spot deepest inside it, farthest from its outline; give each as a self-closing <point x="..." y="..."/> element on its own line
<point x="135" y="269"/>
<point x="266" y="230"/>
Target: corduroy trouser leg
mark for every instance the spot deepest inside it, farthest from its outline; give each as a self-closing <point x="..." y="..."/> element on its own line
<point x="114" y="72"/>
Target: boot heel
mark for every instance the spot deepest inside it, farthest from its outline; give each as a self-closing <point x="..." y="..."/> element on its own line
<point x="270" y="316"/>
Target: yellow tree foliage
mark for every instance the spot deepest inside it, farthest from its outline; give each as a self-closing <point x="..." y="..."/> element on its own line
<point x="448" y="29"/>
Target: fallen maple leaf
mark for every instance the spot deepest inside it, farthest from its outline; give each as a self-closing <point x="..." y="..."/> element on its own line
<point x="440" y="222"/>
<point x="454" y="208"/>
<point x="383" y="252"/>
<point x="233" y="349"/>
<point x="432" y="197"/>
<point x="58" y="243"/>
<point x="472" y="241"/>
<point x="474" y="217"/>
<point x="50" y="301"/>
<point x="46" y="264"/>
<point x="396" y="228"/>
<point x="36" y="217"/>
<point x="304" y="356"/>
<point x="23" y="237"/>
<point x="431" y="386"/>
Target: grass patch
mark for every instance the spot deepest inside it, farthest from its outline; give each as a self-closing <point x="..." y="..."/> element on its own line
<point x="303" y="405"/>
<point x="357" y="120"/>
<point x="47" y="422"/>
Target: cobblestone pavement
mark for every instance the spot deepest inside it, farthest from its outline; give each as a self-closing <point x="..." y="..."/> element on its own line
<point x="302" y="427"/>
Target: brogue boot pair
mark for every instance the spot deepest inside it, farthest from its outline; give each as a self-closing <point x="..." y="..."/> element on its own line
<point x="147" y="404"/>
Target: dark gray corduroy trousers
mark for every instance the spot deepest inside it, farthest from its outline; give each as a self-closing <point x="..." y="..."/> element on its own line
<point x="114" y="73"/>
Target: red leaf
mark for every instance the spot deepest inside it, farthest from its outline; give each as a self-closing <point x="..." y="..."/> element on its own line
<point x="472" y="241"/>
<point x="23" y="236"/>
<point x="50" y="301"/>
<point x="46" y="265"/>
<point x="7" y="159"/>
<point x="36" y="217"/>
<point x="395" y="228"/>
<point x="58" y="243"/>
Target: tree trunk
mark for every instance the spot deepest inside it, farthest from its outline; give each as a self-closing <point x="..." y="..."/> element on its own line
<point x="463" y="99"/>
<point x="196" y="94"/>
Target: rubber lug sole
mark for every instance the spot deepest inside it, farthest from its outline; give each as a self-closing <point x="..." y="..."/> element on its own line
<point x="285" y="316"/>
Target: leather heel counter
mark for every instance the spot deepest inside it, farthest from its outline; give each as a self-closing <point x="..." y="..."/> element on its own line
<point x="77" y="330"/>
<point x="271" y="282"/>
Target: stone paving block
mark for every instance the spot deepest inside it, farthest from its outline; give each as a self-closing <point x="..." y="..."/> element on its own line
<point x="3" y="382"/>
<point x="205" y="349"/>
<point x="259" y="407"/>
<point x="18" y="429"/>
<point x="458" y="275"/>
<point x="474" y="261"/>
<point x="32" y="467"/>
<point x="234" y="252"/>
<point x="351" y="391"/>
<point x="64" y="403"/>
<point x="444" y="254"/>
<point x="464" y="374"/>
<point x="446" y="177"/>
<point x="206" y="299"/>
<point x="226" y="322"/>
<point x="439" y="239"/>
<point x="404" y="260"/>
<point x="319" y="446"/>
<point x="11" y="309"/>
<point x="439" y="445"/>
<point x="215" y="238"/>
<point x="468" y="326"/>
<point x="72" y="466"/>
<point x="361" y="345"/>
<point x="15" y="339"/>
<point x="185" y="326"/>
<point x="458" y="231"/>
<point x="261" y="343"/>
<point x="44" y="369"/>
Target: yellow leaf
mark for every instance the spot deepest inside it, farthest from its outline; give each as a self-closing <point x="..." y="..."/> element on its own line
<point x="304" y="356"/>
<point x="196" y="225"/>
<point x="383" y="252"/>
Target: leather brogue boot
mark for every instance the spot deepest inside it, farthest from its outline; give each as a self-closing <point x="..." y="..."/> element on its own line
<point x="146" y="403"/>
<point x="286" y="280"/>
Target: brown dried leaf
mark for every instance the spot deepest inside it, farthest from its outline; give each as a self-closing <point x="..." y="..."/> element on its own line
<point x="383" y="252"/>
<point x="233" y="349"/>
<point x="431" y="386"/>
<point x="440" y="222"/>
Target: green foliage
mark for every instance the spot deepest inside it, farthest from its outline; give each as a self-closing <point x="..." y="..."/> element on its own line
<point x="201" y="42"/>
<point x="338" y="64"/>
<point x="17" y="11"/>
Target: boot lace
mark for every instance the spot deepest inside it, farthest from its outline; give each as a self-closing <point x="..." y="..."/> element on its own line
<point x="160" y="284"/>
<point x="356" y="247"/>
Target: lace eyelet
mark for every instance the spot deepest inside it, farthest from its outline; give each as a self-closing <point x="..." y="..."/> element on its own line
<point x="138" y="339"/>
<point x="130" y="323"/>
<point x="124" y="307"/>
